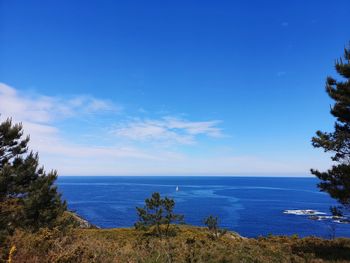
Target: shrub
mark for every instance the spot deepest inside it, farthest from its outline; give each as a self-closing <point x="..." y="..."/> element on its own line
<point x="212" y="223"/>
<point x="158" y="212"/>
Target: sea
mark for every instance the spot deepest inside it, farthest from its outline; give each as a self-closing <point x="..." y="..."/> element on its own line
<point x="251" y="206"/>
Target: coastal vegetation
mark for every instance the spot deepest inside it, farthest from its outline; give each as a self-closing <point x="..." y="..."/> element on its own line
<point x="336" y="181"/>
<point x="190" y="244"/>
<point x="158" y="212"/>
<point x="213" y="226"/>
<point x="28" y="197"/>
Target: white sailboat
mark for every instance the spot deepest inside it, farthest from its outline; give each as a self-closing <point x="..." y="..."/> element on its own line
<point x="177" y="188"/>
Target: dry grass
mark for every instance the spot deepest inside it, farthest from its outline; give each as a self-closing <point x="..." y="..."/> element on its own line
<point x="190" y="244"/>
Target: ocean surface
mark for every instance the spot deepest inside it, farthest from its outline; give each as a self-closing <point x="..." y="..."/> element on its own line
<point x="251" y="206"/>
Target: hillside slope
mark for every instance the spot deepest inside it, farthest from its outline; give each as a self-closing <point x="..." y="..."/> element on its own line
<point x="190" y="244"/>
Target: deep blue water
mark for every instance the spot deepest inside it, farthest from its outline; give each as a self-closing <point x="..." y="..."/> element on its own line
<point x="250" y="206"/>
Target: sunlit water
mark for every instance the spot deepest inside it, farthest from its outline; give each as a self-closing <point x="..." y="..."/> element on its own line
<point x="249" y="205"/>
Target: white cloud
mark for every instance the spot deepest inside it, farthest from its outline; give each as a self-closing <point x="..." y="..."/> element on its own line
<point x="38" y="115"/>
<point x="45" y="109"/>
<point x="194" y="128"/>
<point x="112" y="156"/>
<point x="168" y="129"/>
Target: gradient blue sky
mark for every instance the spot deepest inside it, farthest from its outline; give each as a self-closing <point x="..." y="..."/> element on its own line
<point x="171" y="87"/>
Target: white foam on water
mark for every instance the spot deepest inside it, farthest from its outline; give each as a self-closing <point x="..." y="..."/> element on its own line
<point x="303" y="212"/>
<point x="342" y="221"/>
<point x="318" y="216"/>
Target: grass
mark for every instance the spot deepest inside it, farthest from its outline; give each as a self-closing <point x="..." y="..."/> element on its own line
<point x="188" y="244"/>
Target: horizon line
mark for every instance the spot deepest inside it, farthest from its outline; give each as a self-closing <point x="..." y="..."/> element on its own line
<point x="196" y="175"/>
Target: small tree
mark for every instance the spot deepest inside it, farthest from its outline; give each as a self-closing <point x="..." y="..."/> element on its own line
<point x="336" y="181"/>
<point x="212" y="223"/>
<point x="157" y="212"/>
<point x="28" y="196"/>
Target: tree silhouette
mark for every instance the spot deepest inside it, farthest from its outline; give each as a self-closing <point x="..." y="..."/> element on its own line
<point x="157" y="212"/>
<point x="28" y="196"/>
<point x="336" y="180"/>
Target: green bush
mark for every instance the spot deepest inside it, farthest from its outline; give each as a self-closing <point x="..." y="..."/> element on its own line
<point x="159" y="213"/>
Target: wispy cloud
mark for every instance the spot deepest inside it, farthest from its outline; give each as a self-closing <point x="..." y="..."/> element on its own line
<point x="48" y="120"/>
<point x="39" y="115"/>
<point x="44" y="109"/>
<point x="170" y="130"/>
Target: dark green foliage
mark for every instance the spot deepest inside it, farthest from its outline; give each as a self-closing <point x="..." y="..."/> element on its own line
<point x="213" y="226"/>
<point x="336" y="181"/>
<point x="28" y="197"/>
<point x="336" y="211"/>
<point x="11" y="144"/>
<point x="43" y="205"/>
<point x="157" y="212"/>
<point x="212" y="223"/>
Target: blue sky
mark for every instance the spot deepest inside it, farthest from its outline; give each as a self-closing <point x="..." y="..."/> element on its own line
<point x="164" y="87"/>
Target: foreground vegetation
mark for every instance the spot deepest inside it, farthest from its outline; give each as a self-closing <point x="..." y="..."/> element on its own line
<point x="189" y="244"/>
